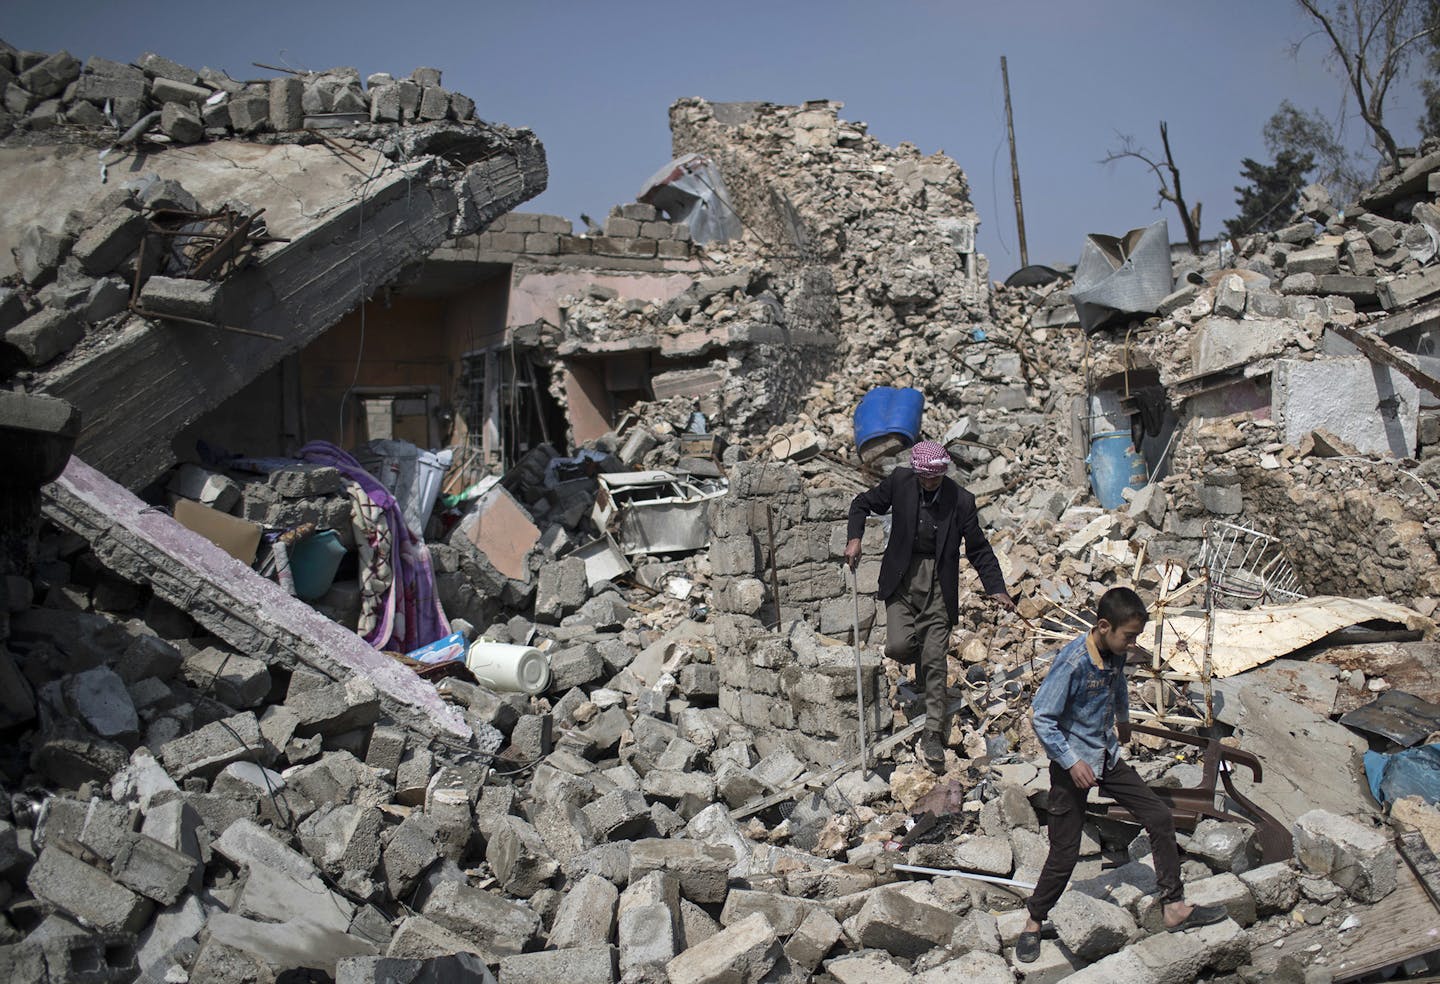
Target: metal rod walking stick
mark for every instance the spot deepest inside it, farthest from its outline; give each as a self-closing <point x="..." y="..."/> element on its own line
<point x="859" y="677"/>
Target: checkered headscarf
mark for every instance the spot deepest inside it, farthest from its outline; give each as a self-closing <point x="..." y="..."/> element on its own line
<point x="929" y="458"/>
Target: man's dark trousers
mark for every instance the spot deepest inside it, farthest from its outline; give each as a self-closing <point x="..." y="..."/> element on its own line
<point x="1067" y="818"/>
<point x="917" y="629"/>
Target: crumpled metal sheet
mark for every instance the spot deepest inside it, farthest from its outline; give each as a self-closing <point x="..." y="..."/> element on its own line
<point x="1403" y="718"/>
<point x="691" y="190"/>
<point x="1128" y="274"/>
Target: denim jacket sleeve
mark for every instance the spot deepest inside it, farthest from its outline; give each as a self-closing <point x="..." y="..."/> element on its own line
<point x="1050" y="701"/>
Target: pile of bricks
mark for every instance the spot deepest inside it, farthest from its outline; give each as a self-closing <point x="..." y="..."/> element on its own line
<point x="43" y="91"/>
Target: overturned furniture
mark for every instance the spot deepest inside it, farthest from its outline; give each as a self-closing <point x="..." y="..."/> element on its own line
<point x="1191" y="804"/>
<point x="654" y="511"/>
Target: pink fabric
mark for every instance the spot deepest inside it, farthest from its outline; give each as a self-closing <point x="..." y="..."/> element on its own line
<point x="929" y="458"/>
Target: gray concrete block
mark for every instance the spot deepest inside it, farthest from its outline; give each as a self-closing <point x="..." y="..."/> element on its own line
<point x="155" y="870"/>
<point x="107" y="243"/>
<point x="286" y="109"/>
<point x="894" y="922"/>
<point x="45" y="335"/>
<point x="39" y="253"/>
<point x="183" y="94"/>
<point x="505" y="927"/>
<point x="1359" y="859"/>
<point x="702" y="870"/>
<point x="411" y="849"/>
<point x="1091" y="928"/>
<point x="157" y="66"/>
<point x="1274" y="887"/>
<point x="249" y="111"/>
<point x="234" y="679"/>
<point x="519" y="857"/>
<point x="51" y="75"/>
<point x="618" y="815"/>
<point x="245" y="842"/>
<point x="335" y="708"/>
<point x="586" y="915"/>
<point x="203" y="753"/>
<point x="743" y="953"/>
<point x="580" y="965"/>
<point x="85" y="892"/>
<point x="181" y="298"/>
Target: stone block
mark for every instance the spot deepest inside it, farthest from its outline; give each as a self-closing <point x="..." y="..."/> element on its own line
<point x="784" y="912"/>
<point x="902" y="926"/>
<point x="562" y="588"/>
<point x="86" y="893"/>
<point x="586" y="915"/>
<point x="743" y="954"/>
<point x="158" y="66"/>
<point x="639" y="211"/>
<point x="1091" y="928"/>
<point x="869" y="967"/>
<point x="986" y="855"/>
<point x="411" y="849"/>
<point x="575" y="666"/>
<point x="335" y="708"/>
<point x="1223" y="846"/>
<point x="453" y="968"/>
<point x="614" y="246"/>
<point x="155" y="870"/>
<point x="519" y="857"/>
<point x="245" y="842"/>
<point x="621" y="814"/>
<point x="434" y="103"/>
<point x="812" y="940"/>
<point x="344" y="838"/>
<point x="977" y="930"/>
<point x="181" y="297"/>
<point x="702" y="870"/>
<point x="1274" y="887"/>
<point x="976" y="967"/>
<point x="51" y="75"/>
<point x="45" y="335"/>
<point x="462" y="107"/>
<point x="249" y="111"/>
<point x="236" y="680"/>
<point x="687" y="792"/>
<point x="504" y="927"/>
<point x="1359" y="859"/>
<point x="1227" y="890"/>
<point x="578" y="965"/>
<point x="287" y="111"/>
<point x="1314" y="259"/>
<point x="203" y="753"/>
<point x="107" y="243"/>
<point x="180" y="94"/>
<point x="418" y="938"/>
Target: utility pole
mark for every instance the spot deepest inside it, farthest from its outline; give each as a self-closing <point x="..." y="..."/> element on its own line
<point x="1014" y="165"/>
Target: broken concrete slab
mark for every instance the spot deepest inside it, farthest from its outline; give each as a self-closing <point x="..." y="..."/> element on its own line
<point x="1341" y="396"/>
<point x="742" y="953"/>
<point x="250" y="613"/>
<point x="1358" y="858"/>
<point x="296" y="290"/>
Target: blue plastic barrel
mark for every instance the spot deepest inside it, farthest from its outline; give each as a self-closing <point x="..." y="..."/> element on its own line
<point x="1115" y="466"/>
<point x="887" y="410"/>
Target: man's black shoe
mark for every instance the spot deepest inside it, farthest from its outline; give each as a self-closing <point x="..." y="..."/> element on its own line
<point x="932" y="750"/>
<point x="1027" y="947"/>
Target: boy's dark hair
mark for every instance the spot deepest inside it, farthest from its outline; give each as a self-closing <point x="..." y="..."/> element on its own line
<point x="1120" y="605"/>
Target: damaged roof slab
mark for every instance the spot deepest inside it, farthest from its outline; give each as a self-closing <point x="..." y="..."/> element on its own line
<point x="354" y="219"/>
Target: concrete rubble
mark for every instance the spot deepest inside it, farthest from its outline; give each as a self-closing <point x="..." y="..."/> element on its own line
<point x="211" y="779"/>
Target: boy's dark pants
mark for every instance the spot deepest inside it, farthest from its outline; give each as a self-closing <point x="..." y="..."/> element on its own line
<point x="1067" y="816"/>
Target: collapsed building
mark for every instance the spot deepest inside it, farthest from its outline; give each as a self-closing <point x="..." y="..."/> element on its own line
<point x="223" y="772"/>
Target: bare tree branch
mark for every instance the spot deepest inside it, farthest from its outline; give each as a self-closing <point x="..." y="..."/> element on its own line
<point x="1169" y="186"/>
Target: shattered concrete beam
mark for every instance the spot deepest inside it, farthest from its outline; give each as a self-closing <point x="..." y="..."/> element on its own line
<point x="249" y="612"/>
<point x="138" y="392"/>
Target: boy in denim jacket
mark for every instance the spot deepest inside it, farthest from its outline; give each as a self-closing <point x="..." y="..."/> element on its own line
<point x="1081" y="715"/>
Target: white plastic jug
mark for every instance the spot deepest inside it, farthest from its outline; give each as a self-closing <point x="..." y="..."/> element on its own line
<point x="507" y="668"/>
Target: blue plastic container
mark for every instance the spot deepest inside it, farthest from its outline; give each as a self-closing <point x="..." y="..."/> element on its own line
<point x="1115" y="466"/>
<point x="313" y="562"/>
<point x="887" y="410"/>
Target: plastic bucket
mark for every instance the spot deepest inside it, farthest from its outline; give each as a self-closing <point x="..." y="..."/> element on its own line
<point x="1115" y="466"/>
<point x="313" y="562"/>
<point x="507" y="668"/>
<point x="887" y="410"/>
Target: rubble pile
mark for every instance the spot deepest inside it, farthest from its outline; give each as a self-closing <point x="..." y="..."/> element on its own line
<point x="126" y="101"/>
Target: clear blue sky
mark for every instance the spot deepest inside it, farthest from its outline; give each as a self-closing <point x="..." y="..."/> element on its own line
<point x="594" y="80"/>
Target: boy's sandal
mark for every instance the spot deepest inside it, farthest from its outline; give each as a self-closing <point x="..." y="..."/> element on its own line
<point x="1027" y="947"/>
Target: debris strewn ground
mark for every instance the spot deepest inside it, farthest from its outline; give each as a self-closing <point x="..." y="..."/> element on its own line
<point x="211" y="777"/>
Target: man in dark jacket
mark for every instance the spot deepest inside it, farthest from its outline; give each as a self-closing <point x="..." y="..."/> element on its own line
<point x="920" y="573"/>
